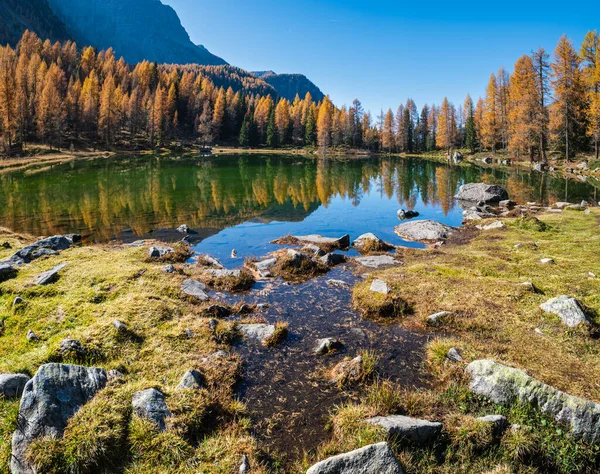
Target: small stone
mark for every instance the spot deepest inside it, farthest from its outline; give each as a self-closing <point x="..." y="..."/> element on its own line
<point x="114" y="374"/>
<point x="12" y="385"/>
<point x="547" y="261"/>
<point x="262" y="306"/>
<point x="234" y="253"/>
<point x="150" y="404"/>
<point x="119" y="326"/>
<point x="454" y="355"/>
<point x="183" y="229"/>
<point x="528" y="286"/>
<point x="72" y="346"/>
<point x="591" y="275"/>
<point x="438" y="319"/>
<point x="169" y="269"/>
<point x="539" y="331"/>
<point x="188" y="333"/>
<point x="568" y="310"/>
<point x="380" y="286"/>
<point x="338" y="283"/>
<point x="159" y="252"/>
<point x="327" y="345"/>
<point x="332" y="259"/>
<point x="192" y="379"/>
<point x="17" y="301"/>
<point x="492" y="226"/>
<point x="31" y="336"/>
<point x="499" y="423"/>
<point x="347" y="371"/>
<point x="408" y="429"/>
<point x="195" y="289"/>
<point x="257" y="332"/>
<point x="245" y="465"/>
<point x="50" y="276"/>
<point x="214" y="356"/>
<point x="212" y="324"/>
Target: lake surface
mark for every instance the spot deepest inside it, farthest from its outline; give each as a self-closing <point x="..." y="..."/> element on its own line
<point x="244" y="202"/>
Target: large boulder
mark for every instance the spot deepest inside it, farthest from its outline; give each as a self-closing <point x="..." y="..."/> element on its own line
<point x="408" y="429"/>
<point x="12" y="385"/>
<point x="374" y="459"/>
<point x="426" y="231"/>
<point x="50" y="399"/>
<point x="568" y="310"/>
<point x="150" y="404"/>
<point x="36" y="250"/>
<point x="506" y="385"/>
<point x="482" y="192"/>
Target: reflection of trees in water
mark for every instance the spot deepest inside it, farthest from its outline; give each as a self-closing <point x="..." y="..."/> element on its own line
<point x="104" y="198"/>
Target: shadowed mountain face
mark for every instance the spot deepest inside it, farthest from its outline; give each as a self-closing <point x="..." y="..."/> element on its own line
<point x="16" y="16"/>
<point x="288" y="85"/>
<point x="135" y="29"/>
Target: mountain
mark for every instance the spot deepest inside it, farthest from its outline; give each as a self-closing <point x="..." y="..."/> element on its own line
<point x="16" y="16"/>
<point x="135" y="29"/>
<point x="288" y="85"/>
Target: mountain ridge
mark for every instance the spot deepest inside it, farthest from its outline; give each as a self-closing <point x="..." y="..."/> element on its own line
<point x="290" y="85"/>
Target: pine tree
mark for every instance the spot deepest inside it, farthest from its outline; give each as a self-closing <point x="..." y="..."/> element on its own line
<point x="470" y="127"/>
<point x="244" y="139"/>
<point x="272" y="135"/>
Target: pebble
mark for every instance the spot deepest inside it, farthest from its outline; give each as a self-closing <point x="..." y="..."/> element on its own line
<point x="547" y="261"/>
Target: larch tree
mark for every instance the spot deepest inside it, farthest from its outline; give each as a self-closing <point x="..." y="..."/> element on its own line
<point x="110" y="111"/>
<point x="52" y="113"/>
<point x="590" y="55"/>
<point x="388" y="141"/>
<point x="325" y="123"/>
<point x="490" y="129"/>
<point x="446" y="126"/>
<point x="8" y="95"/>
<point x="541" y="66"/>
<point x="283" y="121"/>
<point x="219" y="114"/>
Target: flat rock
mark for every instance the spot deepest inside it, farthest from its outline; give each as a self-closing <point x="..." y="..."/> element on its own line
<point x="150" y="404"/>
<point x="224" y="273"/>
<point x="50" y="276"/>
<point x="211" y="261"/>
<point x="257" y="332"/>
<point x="506" y="385"/>
<point x="561" y="205"/>
<point x="313" y="250"/>
<point x="327" y="345"/>
<point x="50" y="399"/>
<point x="482" y="192"/>
<point x="159" y="252"/>
<point x="424" y="231"/>
<point x="568" y="310"/>
<point x="192" y="379"/>
<point x="377" y="261"/>
<point x="492" y="226"/>
<point x="339" y="242"/>
<point x="338" y="284"/>
<point x="410" y="429"/>
<point x="374" y="459"/>
<point x="195" y="289"/>
<point x="12" y="385"/>
<point x="264" y="267"/>
<point x="380" y="286"/>
<point x="438" y="319"/>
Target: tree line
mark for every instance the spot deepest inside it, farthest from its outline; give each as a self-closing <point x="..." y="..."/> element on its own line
<point x="58" y="94"/>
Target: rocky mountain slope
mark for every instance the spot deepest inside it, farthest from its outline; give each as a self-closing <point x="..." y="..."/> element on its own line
<point x="135" y="29"/>
<point x="288" y="85"/>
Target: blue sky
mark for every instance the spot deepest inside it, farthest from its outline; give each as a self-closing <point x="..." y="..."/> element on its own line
<point x="383" y="52"/>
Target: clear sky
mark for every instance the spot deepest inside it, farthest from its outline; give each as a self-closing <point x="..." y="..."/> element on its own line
<point x="383" y="52"/>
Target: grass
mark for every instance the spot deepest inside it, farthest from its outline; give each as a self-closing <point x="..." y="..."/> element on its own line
<point x="372" y="246"/>
<point x="232" y="283"/>
<point x="298" y="270"/>
<point x="279" y="336"/>
<point x="377" y="306"/>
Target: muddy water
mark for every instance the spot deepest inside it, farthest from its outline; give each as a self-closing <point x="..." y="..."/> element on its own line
<point x="285" y="388"/>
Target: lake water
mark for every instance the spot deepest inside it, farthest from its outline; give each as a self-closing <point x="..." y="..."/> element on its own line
<point x="244" y="202"/>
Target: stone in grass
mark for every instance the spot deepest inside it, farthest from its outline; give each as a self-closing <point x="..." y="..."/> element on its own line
<point x="257" y="332"/>
<point x="439" y="319"/>
<point x="264" y="267"/>
<point x="50" y="276"/>
<point x="528" y="286"/>
<point x="114" y="374"/>
<point x="32" y="336"/>
<point x="348" y="371"/>
<point x="567" y="309"/>
<point x="195" y="289"/>
<point x="499" y="423"/>
<point x="150" y="404"/>
<point x="380" y="286"/>
<point x="327" y="345"/>
<point x="454" y="355"/>
<point x="373" y="459"/>
<point x="547" y="261"/>
<point x="159" y="252"/>
<point x="192" y="379"/>
<point x="244" y="466"/>
<point x="50" y="399"/>
<point x="12" y="385"/>
<point x="492" y="226"/>
<point x="408" y="429"/>
<point x="72" y="347"/>
<point x="218" y="311"/>
<point x="119" y="326"/>
<point x="169" y="268"/>
<point x="17" y="301"/>
<point x="377" y="261"/>
<point x="7" y="271"/>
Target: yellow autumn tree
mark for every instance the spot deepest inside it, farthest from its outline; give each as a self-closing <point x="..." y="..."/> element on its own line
<point x="523" y="108"/>
<point x="324" y="123"/>
<point x="446" y="126"/>
<point x="490" y="130"/>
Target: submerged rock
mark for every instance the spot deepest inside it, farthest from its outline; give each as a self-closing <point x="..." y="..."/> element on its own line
<point x="567" y="309"/>
<point x="406" y="428"/>
<point x="377" y="261"/>
<point x="506" y="385"/>
<point x="327" y="345"/>
<point x="195" y="289"/>
<point x="424" y="231"/>
<point x="12" y="385"/>
<point x="347" y="371"/>
<point x="482" y="192"/>
<point x="50" y="399"/>
<point x="50" y="276"/>
<point x="150" y="404"/>
<point x="404" y="215"/>
<point x="374" y="459"/>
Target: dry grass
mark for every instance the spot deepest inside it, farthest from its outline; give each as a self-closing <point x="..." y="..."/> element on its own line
<point x="378" y="306"/>
<point x="232" y="283"/>
<point x="279" y="336"/>
<point x="297" y="271"/>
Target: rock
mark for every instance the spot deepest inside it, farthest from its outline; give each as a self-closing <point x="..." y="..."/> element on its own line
<point x="7" y="271"/>
<point x="482" y="192"/>
<point x="31" y="336"/>
<point x="458" y="157"/>
<point x="492" y="226"/>
<point x="506" y="162"/>
<point x="262" y="306"/>
<point x="347" y="371"/>
<point x="404" y="215"/>
<point x="50" y="276"/>
<point x="333" y="259"/>
<point x="43" y="253"/>
<point x="539" y="331"/>
<point x="507" y="203"/>
<point x="210" y="261"/>
<point x="17" y="301"/>
<point x="499" y="423"/>
<point x="454" y="355"/>
<point x="438" y="319"/>
<point x="234" y="253"/>
<point x="488" y="160"/>
<point x="12" y="385"/>
<point x="120" y="326"/>
<point x="72" y="347"/>
<point x="224" y="273"/>
<point x="313" y="250"/>
<point x="264" y="267"/>
<point x="159" y="252"/>
<point x="36" y="250"/>
<point x="370" y="241"/>
<point x="50" y="399"/>
<point x="406" y="428"/>
<point x="245" y="465"/>
<point x="212" y="324"/>
<point x="339" y="243"/>
<point x="338" y="284"/>
<point x="327" y="345"/>
<point x="188" y="333"/>
<point x="547" y="261"/>
<point x="424" y="231"/>
<point x="192" y="379"/>
<point x="183" y="229"/>
<point x="567" y="309"/>
<point x="169" y="269"/>
<point x="373" y="459"/>
<point x="218" y="311"/>
<point x="380" y="286"/>
<point x="470" y="215"/>
<point x="150" y="404"/>
<point x="377" y="261"/>
<point x="540" y="167"/>
<point x="506" y="385"/>
<point x="114" y="374"/>
<point x="528" y="286"/>
<point x="214" y="356"/>
<point x="195" y="289"/>
<point x="257" y="332"/>
<point x="561" y="205"/>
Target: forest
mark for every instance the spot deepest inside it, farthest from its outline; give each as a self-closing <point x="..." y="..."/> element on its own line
<point x="62" y="96"/>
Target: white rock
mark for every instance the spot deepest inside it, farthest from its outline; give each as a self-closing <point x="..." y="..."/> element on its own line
<point x="380" y="286"/>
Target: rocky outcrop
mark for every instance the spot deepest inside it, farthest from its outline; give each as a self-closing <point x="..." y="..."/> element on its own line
<point x="7" y="271"/>
<point x="48" y="246"/>
<point x="482" y="192"/>
<point x="327" y="243"/>
<point x="373" y="459"/>
<point x="377" y="261"/>
<point x="50" y="399"/>
<point x="408" y="429"/>
<point x="332" y="259"/>
<point x="424" y="231"/>
<point x="150" y="404"/>
<point x="380" y="286"/>
<point x="159" y="252"/>
<point x="12" y="385"/>
<point x="506" y="385"/>
<point x="51" y="276"/>
<point x="567" y="309"/>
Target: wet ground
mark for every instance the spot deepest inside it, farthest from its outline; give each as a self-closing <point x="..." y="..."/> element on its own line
<point x="285" y="388"/>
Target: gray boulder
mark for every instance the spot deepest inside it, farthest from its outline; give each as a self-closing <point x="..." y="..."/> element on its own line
<point x="424" y="231"/>
<point x="257" y="332"/>
<point x="150" y="404"/>
<point x="192" y="379"/>
<point x="506" y="385"/>
<point x="338" y="284"/>
<point x="567" y="309"/>
<point x="313" y="250"/>
<point x="51" y="244"/>
<point x="370" y="239"/>
<point x="264" y="267"/>
<point x="50" y="276"/>
<point x="7" y="271"/>
<point x="409" y="429"/>
<point x="327" y="345"/>
<point x="454" y="355"/>
<point x="195" y="289"/>
<point x="374" y="459"/>
<point x="333" y="259"/>
<point x="380" y="286"/>
<point x="50" y="399"/>
<point x="159" y="252"/>
<point x="404" y="215"/>
<point x="482" y="192"/>
<point x="377" y="261"/>
<point x="12" y="385"/>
